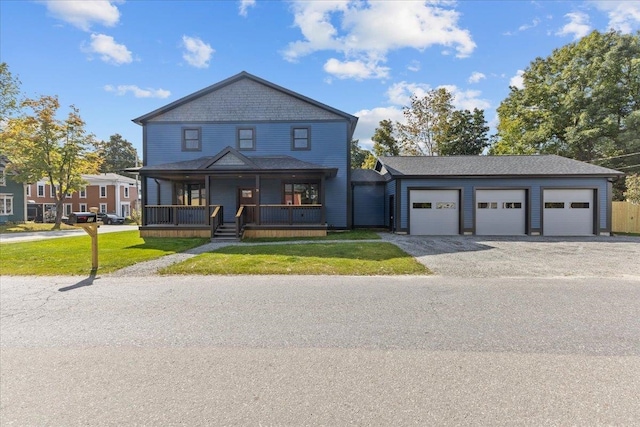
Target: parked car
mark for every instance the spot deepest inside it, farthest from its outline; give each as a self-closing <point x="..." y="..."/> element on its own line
<point x="110" y="218"/>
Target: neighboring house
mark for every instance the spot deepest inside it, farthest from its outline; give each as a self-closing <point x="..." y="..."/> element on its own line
<point x="248" y="154"/>
<point x="109" y="192"/>
<point x="489" y="195"/>
<point x="12" y="196"/>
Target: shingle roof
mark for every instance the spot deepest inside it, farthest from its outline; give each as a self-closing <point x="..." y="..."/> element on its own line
<point x="538" y="165"/>
<point x="366" y="176"/>
<point x="108" y="177"/>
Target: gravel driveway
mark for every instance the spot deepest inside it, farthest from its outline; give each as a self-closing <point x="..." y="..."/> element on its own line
<point x="530" y="256"/>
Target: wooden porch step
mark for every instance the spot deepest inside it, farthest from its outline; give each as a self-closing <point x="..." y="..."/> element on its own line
<point x="225" y="232"/>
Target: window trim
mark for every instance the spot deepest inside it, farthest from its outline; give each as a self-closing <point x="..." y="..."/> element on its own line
<point x="293" y="138"/>
<point x="40" y="186"/>
<point x="28" y="190"/>
<point x="67" y="209"/>
<point x="301" y="182"/>
<point x="126" y="192"/>
<point x="82" y="193"/>
<point x="3" y="178"/>
<point x="103" y="208"/>
<point x="253" y="138"/>
<point x="105" y="192"/>
<point x="52" y="190"/>
<point x="184" y="139"/>
<point x="83" y="209"/>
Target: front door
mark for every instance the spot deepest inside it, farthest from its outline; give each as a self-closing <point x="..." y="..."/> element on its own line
<point x="246" y="197"/>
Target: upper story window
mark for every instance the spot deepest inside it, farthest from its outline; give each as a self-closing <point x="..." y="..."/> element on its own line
<point x="191" y="139"/>
<point x="126" y="192"/>
<point x="301" y="138"/>
<point x="246" y="139"/>
<point x="3" y="177"/>
<point x="53" y="189"/>
<point x="83" y="193"/>
<point x="103" y="191"/>
<point x="40" y="189"/>
<point x="29" y="190"/>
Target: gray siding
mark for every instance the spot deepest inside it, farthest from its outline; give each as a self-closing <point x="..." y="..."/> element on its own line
<point x="534" y="185"/>
<point x="246" y="100"/>
<point x="368" y="205"/>
<point x="390" y="190"/>
<point x="17" y="190"/>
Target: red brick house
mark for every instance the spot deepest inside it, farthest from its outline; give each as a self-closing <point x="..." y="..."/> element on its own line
<point x="109" y="192"/>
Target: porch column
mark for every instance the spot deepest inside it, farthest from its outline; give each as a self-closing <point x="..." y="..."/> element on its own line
<point x="143" y="208"/>
<point x="257" y="198"/>
<point x="207" y="178"/>
<point x="323" y="213"/>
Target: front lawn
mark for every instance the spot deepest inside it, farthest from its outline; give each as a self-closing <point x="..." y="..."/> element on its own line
<point x="359" y="259"/>
<point x="72" y="255"/>
<point x="30" y="226"/>
<point x="331" y="235"/>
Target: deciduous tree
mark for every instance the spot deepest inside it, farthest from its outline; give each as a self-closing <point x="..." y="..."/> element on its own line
<point x="39" y="145"/>
<point x="117" y="154"/>
<point x="466" y="134"/>
<point x="384" y="140"/>
<point x="9" y="93"/>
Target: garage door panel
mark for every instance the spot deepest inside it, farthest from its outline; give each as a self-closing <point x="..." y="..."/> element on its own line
<point x="434" y="212"/>
<point x="568" y="212"/>
<point x="501" y="212"/>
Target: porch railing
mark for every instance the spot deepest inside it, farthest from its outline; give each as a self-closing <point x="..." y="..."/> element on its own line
<point x="290" y="214"/>
<point x="177" y="214"/>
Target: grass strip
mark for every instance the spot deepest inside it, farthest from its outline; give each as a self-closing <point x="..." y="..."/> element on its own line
<point x="72" y="255"/>
<point x="331" y="235"/>
<point x="353" y="259"/>
<point x="30" y="226"/>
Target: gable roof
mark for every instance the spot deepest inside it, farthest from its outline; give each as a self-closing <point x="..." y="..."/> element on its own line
<point x="230" y="160"/>
<point x="240" y="76"/>
<point x="483" y="166"/>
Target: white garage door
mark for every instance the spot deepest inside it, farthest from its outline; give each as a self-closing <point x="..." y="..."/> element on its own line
<point x="500" y="212"/>
<point x="434" y="212"/>
<point x="568" y="212"/>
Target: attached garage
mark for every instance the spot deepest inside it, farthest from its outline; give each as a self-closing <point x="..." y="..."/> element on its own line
<point x="568" y="212"/>
<point x="434" y="212"/>
<point x="501" y="212"/>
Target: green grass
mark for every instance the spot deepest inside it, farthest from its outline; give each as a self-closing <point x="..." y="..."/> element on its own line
<point x="358" y="259"/>
<point x="30" y="226"/>
<point x="331" y="235"/>
<point x="72" y="255"/>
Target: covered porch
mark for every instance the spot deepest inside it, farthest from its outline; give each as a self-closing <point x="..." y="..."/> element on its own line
<point x="231" y="195"/>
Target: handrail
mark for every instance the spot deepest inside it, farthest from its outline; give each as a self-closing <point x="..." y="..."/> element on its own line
<point x="217" y="219"/>
<point x="239" y="220"/>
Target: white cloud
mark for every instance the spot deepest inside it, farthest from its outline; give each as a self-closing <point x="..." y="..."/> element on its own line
<point x="366" y="31"/>
<point x="82" y="14"/>
<point x="400" y="93"/>
<point x="358" y="70"/>
<point x="414" y="66"/>
<point x="245" y="5"/>
<point x="109" y="51"/>
<point x="526" y="27"/>
<point x="476" y="76"/>
<point x="466" y="99"/>
<point x="517" y="80"/>
<point x="624" y="16"/>
<point x="578" y="25"/>
<point x="197" y="53"/>
<point x="368" y="121"/>
<point x="121" y="90"/>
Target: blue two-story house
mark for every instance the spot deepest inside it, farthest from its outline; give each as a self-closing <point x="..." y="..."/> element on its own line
<point x="248" y="157"/>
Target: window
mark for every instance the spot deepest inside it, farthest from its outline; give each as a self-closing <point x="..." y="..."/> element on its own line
<point x="68" y="208"/>
<point x="103" y="191"/>
<point x="579" y="205"/>
<point x="246" y="139"/>
<point x="301" y="138"/>
<point x="103" y="207"/>
<point x="40" y="190"/>
<point x="126" y="192"/>
<point x="83" y="193"/>
<point x="126" y="210"/>
<point x="487" y="205"/>
<point x="301" y="194"/>
<point x="446" y="205"/>
<point x="512" y="205"/>
<point x="191" y="139"/>
<point x="83" y="207"/>
<point x="52" y="190"/>
<point x="6" y="204"/>
<point x="554" y="205"/>
<point x="422" y="205"/>
<point x="190" y="194"/>
<point x="29" y="190"/>
<point x="3" y="177"/>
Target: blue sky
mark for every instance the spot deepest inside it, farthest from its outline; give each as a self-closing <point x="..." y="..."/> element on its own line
<point x="118" y="60"/>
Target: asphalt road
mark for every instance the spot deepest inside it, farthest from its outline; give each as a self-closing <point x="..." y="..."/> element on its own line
<point x="293" y="350"/>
